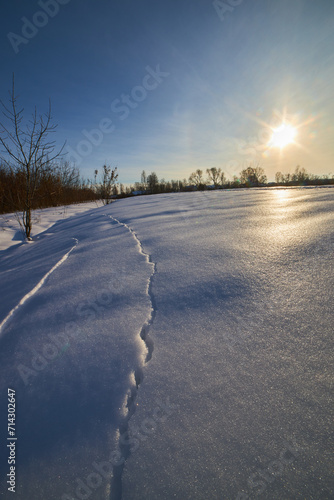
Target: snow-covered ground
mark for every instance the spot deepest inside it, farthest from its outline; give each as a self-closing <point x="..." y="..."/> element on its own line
<point x="11" y="232"/>
<point x="173" y="346"/>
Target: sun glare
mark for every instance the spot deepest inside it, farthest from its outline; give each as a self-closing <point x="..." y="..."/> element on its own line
<point x="283" y="135"/>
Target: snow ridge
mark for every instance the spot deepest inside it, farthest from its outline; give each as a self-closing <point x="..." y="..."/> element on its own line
<point x="36" y="288"/>
<point x="116" y="483"/>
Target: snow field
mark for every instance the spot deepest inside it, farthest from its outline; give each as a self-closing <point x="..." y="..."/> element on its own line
<point x="181" y="350"/>
<point x="71" y="349"/>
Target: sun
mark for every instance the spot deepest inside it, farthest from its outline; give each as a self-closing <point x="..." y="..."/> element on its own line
<point x="283" y="135"/>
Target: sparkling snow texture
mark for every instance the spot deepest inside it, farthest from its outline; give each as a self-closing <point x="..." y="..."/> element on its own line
<point x="234" y="291"/>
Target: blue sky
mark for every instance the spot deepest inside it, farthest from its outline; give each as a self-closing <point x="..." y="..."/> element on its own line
<point x="227" y="76"/>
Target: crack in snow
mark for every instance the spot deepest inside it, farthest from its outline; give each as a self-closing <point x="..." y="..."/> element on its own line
<point x="36" y="288"/>
<point x="116" y="482"/>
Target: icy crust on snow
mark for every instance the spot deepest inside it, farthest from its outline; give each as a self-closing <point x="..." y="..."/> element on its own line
<point x="243" y="337"/>
<point x="70" y="351"/>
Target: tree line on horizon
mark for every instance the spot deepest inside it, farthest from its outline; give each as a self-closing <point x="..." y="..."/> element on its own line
<point x="34" y="175"/>
<point x="250" y="176"/>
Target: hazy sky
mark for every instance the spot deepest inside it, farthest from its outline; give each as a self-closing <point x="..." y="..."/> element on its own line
<point x="172" y="86"/>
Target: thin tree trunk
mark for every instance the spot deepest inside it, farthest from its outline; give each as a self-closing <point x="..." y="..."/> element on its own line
<point x="27" y="217"/>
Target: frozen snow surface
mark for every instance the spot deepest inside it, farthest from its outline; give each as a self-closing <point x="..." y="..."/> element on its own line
<point x="173" y="346"/>
<point x="11" y="232"/>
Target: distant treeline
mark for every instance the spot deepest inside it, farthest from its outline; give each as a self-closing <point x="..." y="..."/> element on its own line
<point x="252" y="176"/>
<point x="56" y="184"/>
<point x="60" y="184"/>
<point x="33" y="176"/>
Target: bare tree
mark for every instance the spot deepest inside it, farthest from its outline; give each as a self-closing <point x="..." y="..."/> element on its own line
<point x="68" y="174"/>
<point x="153" y="183"/>
<point x="223" y="179"/>
<point x="300" y="175"/>
<point x="109" y="178"/>
<point x="214" y="175"/>
<point x="279" y="177"/>
<point x="27" y="152"/>
<point x="143" y="180"/>
<point x="253" y="176"/>
<point x="196" y="178"/>
<point x="175" y="185"/>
